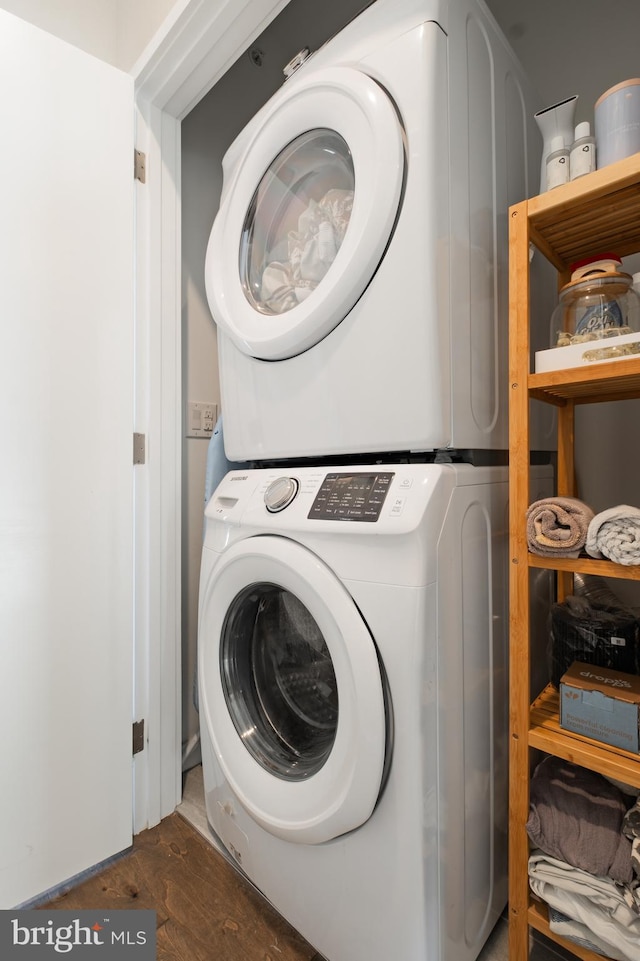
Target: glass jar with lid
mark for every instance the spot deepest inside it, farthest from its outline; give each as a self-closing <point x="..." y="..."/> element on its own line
<point x="599" y="302"/>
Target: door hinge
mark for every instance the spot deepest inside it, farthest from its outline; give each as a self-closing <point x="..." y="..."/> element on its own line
<point x="140" y="166"/>
<point x="138" y="736"/>
<point x="139" y="449"/>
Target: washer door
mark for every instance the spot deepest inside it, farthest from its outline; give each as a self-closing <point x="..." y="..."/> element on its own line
<point x="291" y="691"/>
<point x="307" y="214"/>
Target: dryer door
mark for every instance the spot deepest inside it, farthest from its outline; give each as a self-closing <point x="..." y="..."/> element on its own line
<point x="291" y="691"/>
<point x="306" y="213"/>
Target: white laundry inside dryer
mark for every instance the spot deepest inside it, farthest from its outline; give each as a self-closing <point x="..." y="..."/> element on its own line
<point x="296" y="222"/>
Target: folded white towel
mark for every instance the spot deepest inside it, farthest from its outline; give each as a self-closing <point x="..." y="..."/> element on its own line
<point x="606" y="911"/>
<point x="615" y="533"/>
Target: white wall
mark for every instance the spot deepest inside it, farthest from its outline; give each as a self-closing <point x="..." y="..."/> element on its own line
<point x="137" y="22"/>
<point x="88" y="24"/>
<point x="113" y="30"/>
<point x="66" y="512"/>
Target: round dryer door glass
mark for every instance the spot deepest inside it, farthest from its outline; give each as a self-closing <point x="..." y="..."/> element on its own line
<point x="278" y="681"/>
<point x="312" y="191"/>
<point x="296" y="222"/>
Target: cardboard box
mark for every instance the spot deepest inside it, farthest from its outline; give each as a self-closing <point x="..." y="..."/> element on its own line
<point x="601" y="704"/>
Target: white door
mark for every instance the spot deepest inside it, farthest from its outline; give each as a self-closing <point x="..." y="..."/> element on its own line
<point x="291" y="691"/>
<point x="66" y="415"/>
<point x="311" y="195"/>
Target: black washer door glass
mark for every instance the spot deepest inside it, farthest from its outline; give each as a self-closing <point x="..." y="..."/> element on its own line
<point x="296" y="221"/>
<point x="278" y="681"/>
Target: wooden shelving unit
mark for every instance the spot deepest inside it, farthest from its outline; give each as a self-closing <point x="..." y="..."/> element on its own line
<point x="595" y="213"/>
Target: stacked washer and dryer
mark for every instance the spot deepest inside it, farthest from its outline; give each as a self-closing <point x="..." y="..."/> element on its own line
<point x="353" y="611"/>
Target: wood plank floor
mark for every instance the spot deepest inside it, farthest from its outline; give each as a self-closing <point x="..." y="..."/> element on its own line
<point x="205" y="911"/>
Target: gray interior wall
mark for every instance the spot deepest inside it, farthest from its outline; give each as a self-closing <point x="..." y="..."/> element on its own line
<point x="567" y="47"/>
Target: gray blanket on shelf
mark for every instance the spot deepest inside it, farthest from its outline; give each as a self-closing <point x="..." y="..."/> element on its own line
<point x="576" y="815"/>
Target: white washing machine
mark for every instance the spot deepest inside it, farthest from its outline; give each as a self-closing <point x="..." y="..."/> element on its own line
<point x="357" y="268"/>
<point x="353" y="701"/>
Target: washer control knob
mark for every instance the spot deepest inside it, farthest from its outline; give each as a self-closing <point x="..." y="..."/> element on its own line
<point x="280" y="493"/>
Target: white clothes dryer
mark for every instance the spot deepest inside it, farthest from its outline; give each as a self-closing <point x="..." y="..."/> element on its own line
<point x="353" y="701"/>
<point x="357" y="267"/>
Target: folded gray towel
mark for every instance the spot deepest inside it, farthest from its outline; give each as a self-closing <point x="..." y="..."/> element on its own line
<point x="557" y="526"/>
<point x="615" y="533"/>
<point x="576" y="815"/>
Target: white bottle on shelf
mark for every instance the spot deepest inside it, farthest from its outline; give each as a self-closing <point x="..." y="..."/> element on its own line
<point x="583" y="151"/>
<point x="557" y="163"/>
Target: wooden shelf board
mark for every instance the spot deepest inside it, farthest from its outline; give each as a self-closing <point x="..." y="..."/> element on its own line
<point x="610" y="380"/>
<point x="538" y="917"/>
<point x="546" y="734"/>
<point x="585" y="565"/>
<point x="571" y="222"/>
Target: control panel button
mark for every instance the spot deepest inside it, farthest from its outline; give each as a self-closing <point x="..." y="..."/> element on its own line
<point x="280" y="493"/>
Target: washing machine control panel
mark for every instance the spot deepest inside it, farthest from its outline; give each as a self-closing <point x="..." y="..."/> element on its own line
<point x="351" y="497"/>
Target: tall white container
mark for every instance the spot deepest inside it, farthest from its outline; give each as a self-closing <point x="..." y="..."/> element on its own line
<point x="617" y="122"/>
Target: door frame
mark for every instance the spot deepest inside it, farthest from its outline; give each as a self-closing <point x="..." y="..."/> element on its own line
<point x="196" y="45"/>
